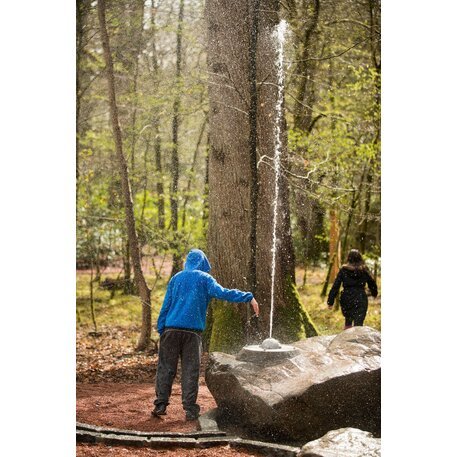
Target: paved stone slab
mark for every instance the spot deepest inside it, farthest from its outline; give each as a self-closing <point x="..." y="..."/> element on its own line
<point x="116" y="431"/>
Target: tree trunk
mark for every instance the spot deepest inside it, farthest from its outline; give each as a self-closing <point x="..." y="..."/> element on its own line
<point x="366" y="210"/>
<point x="205" y="214"/>
<point x="137" y="38"/>
<point x="327" y="277"/>
<point x="230" y="179"/>
<point x="305" y="68"/>
<point x="174" y="152"/>
<point x="253" y="96"/>
<point x="159" y="187"/>
<point x="127" y="267"/>
<point x="143" y="289"/>
<point x="91" y="291"/>
<point x="334" y="244"/>
<point x="191" y="173"/>
<point x="156" y="123"/>
<point x="82" y="13"/>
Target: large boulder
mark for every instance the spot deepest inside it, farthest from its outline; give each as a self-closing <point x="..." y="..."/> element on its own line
<point x="345" y="442"/>
<point x="332" y="382"/>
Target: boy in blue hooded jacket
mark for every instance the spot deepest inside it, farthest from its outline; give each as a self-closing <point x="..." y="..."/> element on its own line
<point x="180" y="325"/>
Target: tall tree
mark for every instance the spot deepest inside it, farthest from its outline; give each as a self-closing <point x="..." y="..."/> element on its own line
<point x="156" y="120"/>
<point x="304" y="19"/>
<point x="175" y="137"/>
<point x="230" y="179"/>
<point x="82" y="13"/>
<point x="137" y="46"/>
<point x="253" y="96"/>
<point x="143" y="289"/>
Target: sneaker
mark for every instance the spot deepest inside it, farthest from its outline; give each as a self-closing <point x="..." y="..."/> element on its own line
<point x="159" y="410"/>
<point x="192" y="416"/>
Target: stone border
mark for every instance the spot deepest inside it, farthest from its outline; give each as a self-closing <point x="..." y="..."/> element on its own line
<point x="86" y="433"/>
<point x="81" y="427"/>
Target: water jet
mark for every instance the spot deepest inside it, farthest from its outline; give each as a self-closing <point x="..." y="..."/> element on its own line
<point x="271" y="350"/>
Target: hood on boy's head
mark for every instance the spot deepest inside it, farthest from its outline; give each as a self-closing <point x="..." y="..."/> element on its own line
<point x="196" y="260"/>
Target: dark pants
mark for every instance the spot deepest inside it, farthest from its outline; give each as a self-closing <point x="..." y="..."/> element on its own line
<point x="354" y="305"/>
<point x="187" y="346"/>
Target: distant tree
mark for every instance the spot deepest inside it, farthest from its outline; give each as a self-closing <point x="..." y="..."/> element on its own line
<point x="175" y="137"/>
<point x="82" y="15"/>
<point x="155" y="120"/>
<point x="143" y="289"/>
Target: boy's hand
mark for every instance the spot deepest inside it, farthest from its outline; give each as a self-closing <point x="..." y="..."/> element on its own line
<point x="255" y="306"/>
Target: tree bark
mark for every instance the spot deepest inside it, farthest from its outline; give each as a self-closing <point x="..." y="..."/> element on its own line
<point x="305" y="68"/>
<point x="230" y="179"/>
<point x="334" y="244"/>
<point x="253" y="143"/>
<point x="137" y="36"/>
<point x="205" y="214"/>
<point x="191" y="173"/>
<point x="156" y="124"/>
<point x="82" y="13"/>
<point x="175" y="136"/>
<point x="143" y="289"/>
<point x="91" y="295"/>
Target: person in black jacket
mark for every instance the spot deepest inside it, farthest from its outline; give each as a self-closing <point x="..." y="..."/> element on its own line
<point x="354" y="301"/>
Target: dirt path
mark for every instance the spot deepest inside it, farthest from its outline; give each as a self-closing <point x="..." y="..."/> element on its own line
<point x="128" y="406"/>
<point x="89" y="450"/>
<point x="115" y="389"/>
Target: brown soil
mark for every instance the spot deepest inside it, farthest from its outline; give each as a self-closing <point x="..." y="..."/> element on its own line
<point x="128" y="406"/>
<point x="100" y="450"/>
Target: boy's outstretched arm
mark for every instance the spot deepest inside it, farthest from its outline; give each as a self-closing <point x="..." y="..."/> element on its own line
<point x="164" y="310"/>
<point x="215" y="290"/>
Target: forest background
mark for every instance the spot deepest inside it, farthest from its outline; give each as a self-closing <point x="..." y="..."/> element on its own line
<point x="161" y="74"/>
<point x="38" y="189"/>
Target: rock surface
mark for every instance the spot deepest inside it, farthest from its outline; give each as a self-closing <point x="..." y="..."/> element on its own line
<point x="345" y="442"/>
<point x="333" y="382"/>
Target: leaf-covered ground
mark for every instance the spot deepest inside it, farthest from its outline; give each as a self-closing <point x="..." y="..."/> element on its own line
<point x="101" y="450"/>
<point x="111" y="356"/>
<point x="115" y="388"/>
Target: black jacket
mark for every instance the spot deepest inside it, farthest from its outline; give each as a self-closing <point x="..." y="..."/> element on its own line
<point x="354" y="280"/>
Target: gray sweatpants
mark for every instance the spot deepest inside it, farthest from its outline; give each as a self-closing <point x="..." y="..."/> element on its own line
<point x="174" y="345"/>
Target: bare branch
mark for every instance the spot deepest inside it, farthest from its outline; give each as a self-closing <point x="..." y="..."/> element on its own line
<point x="331" y="56"/>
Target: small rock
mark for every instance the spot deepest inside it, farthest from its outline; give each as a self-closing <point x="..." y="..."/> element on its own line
<point x="345" y="442"/>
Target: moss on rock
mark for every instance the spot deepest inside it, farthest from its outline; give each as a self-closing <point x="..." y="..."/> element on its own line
<point x="227" y="330"/>
<point x="296" y="312"/>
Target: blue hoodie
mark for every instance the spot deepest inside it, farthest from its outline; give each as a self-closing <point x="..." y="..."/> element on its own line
<point x="189" y="293"/>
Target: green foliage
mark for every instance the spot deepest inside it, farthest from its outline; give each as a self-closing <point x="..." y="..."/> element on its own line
<point x="145" y="95"/>
<point x="119" y="310"/>
<point x="339" y="154"/>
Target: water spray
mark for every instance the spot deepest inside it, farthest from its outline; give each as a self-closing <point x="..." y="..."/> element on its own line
<point x="279" y="34"/>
